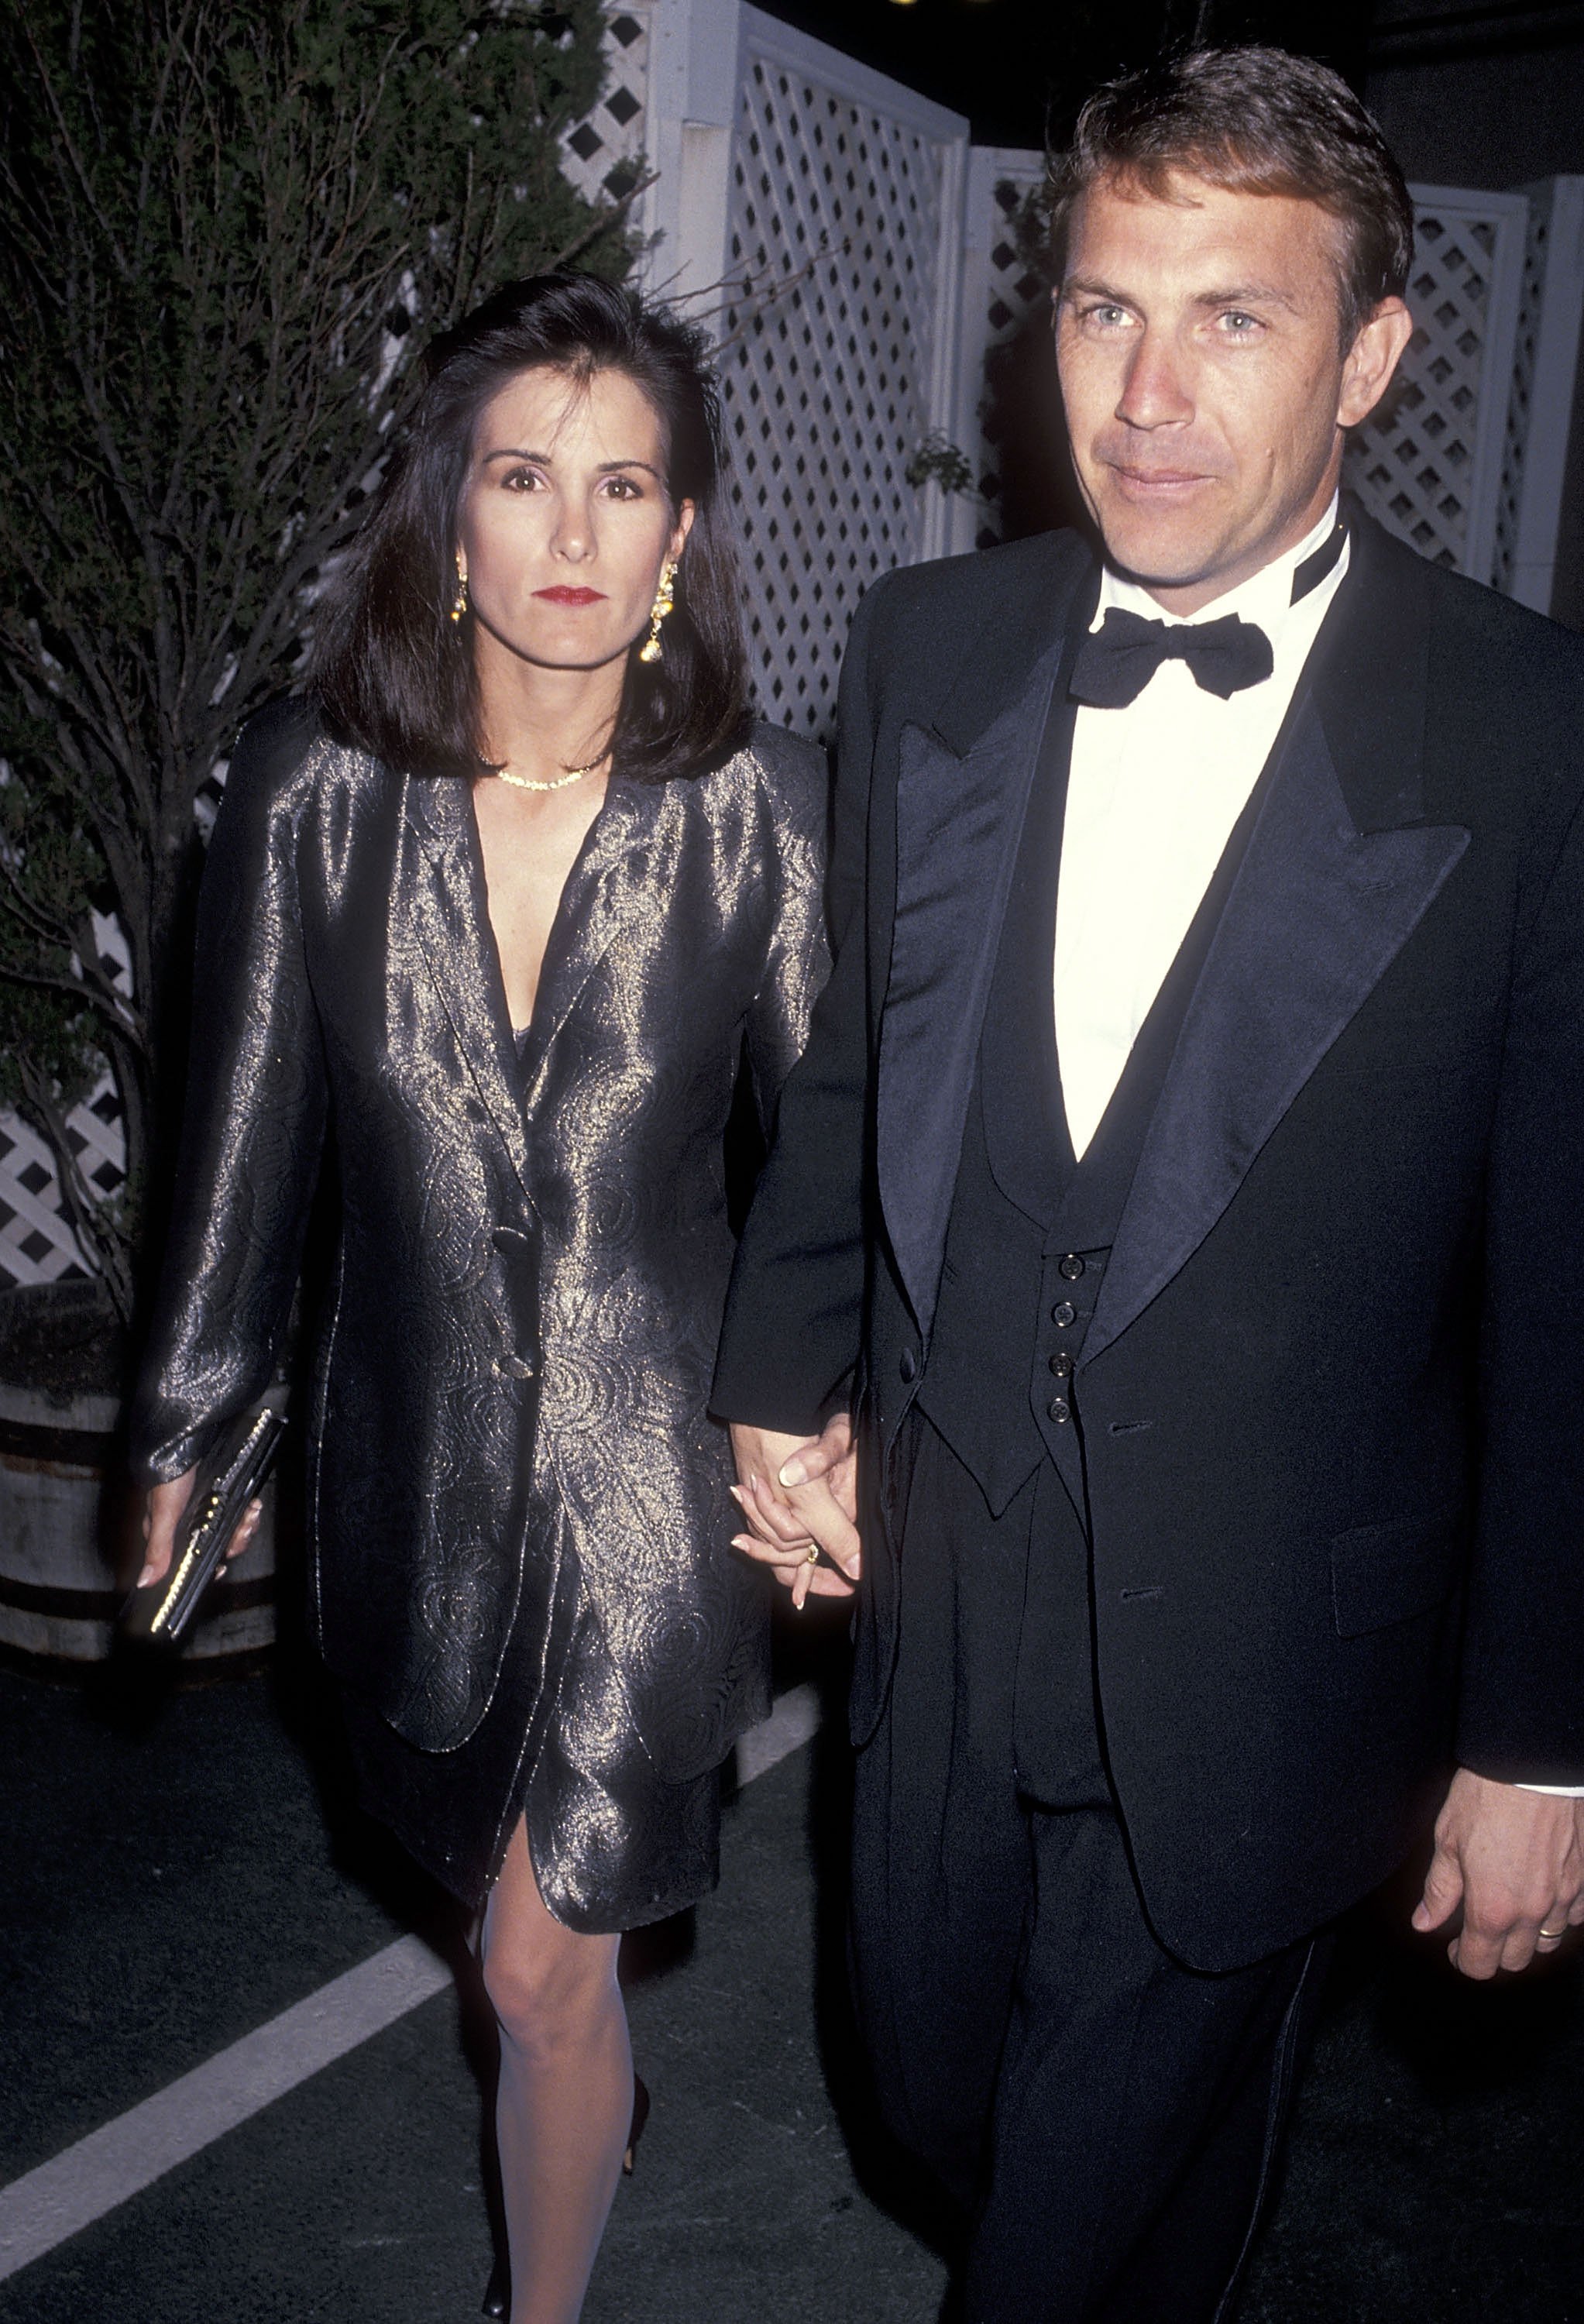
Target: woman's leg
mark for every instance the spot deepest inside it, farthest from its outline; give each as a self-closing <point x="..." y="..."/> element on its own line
<point x="565" y="2102"/>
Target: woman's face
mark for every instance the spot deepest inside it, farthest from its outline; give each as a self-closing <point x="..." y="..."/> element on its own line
<point x="566" y="520"/>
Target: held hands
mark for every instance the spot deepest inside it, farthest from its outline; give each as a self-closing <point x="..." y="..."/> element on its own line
<point x="1514" y="1861"/>
<point x="162" y="1516"/>
<point x="798" y="1498"/>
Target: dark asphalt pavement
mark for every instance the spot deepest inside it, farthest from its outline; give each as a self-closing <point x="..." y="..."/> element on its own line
<point x="176" y="1875"/>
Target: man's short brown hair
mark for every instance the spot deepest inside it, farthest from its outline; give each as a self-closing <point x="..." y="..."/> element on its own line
<point x="1256" y="121"/>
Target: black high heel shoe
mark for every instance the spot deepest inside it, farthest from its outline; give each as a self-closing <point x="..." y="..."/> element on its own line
<point x="498" y="2295"/>
<point x="639" y="2116"/>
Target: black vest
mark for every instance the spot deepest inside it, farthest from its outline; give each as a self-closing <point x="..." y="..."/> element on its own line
<point x="1026" y="1244"/>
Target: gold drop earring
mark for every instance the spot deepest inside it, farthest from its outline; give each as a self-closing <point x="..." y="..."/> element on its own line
<point x="664" y="597"/>
<point x="459" y="602"/>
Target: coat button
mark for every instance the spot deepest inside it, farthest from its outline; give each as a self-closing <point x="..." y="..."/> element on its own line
<point x="1065" y="1317"/>
<point x="908" y="1366"/>
<point x="1061" y="1410"/>
<point x="1070" y="1268"/>
<point x="1061" y="1364"/>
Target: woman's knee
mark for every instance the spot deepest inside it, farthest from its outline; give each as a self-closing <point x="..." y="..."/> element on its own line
<point x="547" y="1987"/>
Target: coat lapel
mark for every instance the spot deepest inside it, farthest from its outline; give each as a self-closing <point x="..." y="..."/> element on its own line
<point x="458" y="945"/>
<point x="1339" y="871"/>
<point x="605" y="887"/>
<point x="608" y="886"/>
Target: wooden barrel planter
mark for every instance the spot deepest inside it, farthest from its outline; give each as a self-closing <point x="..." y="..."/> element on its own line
<point x="68" y="1539"/>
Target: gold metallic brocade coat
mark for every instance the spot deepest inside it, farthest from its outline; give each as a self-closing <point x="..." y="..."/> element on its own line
<point x="529" y="1281"/>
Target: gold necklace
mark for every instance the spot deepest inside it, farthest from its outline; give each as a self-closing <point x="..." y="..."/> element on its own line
<point x="558" y="782"/>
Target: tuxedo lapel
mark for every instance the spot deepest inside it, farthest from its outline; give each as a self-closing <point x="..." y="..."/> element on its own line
<point x="458" y="945"/>
<point x="959" y="818"/>
<point x="1337" y="874"/>
<point x="1027" y="1145"/>
<point x="963" y="782"/>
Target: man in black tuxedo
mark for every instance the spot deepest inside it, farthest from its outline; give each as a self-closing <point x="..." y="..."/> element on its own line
<point x="1183" y="1179"/>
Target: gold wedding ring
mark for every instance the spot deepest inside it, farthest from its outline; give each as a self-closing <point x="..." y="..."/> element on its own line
<point x="1554" y="1934"/>
<point x="812" y="1559"/>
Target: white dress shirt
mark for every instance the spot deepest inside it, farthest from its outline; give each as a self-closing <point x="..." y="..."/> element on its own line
<point x="1155" y="791"/>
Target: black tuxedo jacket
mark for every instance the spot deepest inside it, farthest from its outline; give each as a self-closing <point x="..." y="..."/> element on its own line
<point x="1332" y="1395"/>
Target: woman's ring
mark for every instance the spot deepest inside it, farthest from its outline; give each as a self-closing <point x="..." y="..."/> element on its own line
<point x="812" y="1559"/>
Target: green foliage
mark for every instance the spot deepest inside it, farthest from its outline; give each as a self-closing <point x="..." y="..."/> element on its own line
<point x="223" y="233"/>
<point x="937" y="460"/>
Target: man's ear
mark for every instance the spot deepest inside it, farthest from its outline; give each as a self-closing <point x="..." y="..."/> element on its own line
<point x="1373" y="358"/>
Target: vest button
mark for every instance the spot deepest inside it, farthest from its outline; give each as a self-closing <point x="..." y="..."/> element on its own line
<point x="1070" y="1268"/>
<point x="1063" y="1316"/>
<point x="1060" y="1409"/>
<point x="908" y="1366"/>
<point x="1061" y="1364"/>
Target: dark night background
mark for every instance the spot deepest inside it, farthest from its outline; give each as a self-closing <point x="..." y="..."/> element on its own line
<point x="1487" y="96"/>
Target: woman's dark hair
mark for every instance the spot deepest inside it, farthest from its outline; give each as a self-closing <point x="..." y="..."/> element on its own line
<point x="395" y="676"/>
<point x="1258" y="121"/>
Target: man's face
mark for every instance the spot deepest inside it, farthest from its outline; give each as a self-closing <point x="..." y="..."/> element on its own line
<point x="1205" y="380"/>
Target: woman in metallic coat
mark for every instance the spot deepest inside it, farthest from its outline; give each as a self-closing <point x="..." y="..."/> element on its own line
<point x="490" y="917"/>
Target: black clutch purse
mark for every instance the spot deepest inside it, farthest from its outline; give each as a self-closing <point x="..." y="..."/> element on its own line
<point x="230" y="1475"/>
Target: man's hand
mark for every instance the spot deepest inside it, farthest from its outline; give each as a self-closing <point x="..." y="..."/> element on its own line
<point x="798" y="1497"/>
<point x="1514" y="1861"/>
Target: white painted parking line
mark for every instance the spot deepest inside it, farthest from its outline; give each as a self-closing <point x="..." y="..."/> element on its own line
<point x="41" y="2210"/>
<point x="112" y="2164"/>
<point x="790" y="1725"/>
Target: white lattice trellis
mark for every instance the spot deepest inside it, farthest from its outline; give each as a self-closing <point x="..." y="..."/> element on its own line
<point x="852" y="197"/>
<point x="1000" y="291"/>
<point x="1429" y="463"/>
<point x="36" y="1243"/>
<point x="601" y="154"/>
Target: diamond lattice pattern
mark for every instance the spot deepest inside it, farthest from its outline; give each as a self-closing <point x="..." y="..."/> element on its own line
<point x="827" y="354"/>
<point x="1411" y="466"/>
<point x="601" y="154"/>
<point x="1015" y="290"/>
<point x="36" y="1243"/>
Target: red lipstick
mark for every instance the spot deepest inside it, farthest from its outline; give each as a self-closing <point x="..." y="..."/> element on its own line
<point x="564" y="596"/>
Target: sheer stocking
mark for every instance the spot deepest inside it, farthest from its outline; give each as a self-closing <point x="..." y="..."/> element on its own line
<point x="565" y="2101"/>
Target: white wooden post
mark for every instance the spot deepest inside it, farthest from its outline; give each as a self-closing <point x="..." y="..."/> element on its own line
<point x="1545" y="386"/>
<point x="693" y="83"/>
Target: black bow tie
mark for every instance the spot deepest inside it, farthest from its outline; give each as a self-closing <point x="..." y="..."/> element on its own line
<point x="1117" y="661"/>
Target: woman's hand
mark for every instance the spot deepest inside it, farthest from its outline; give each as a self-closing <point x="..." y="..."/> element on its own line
<point x="792" y="1523"/>
<point x="162" y="1516"/>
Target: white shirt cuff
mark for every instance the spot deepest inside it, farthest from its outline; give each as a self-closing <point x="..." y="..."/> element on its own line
<point x="1554" y="1791"/>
